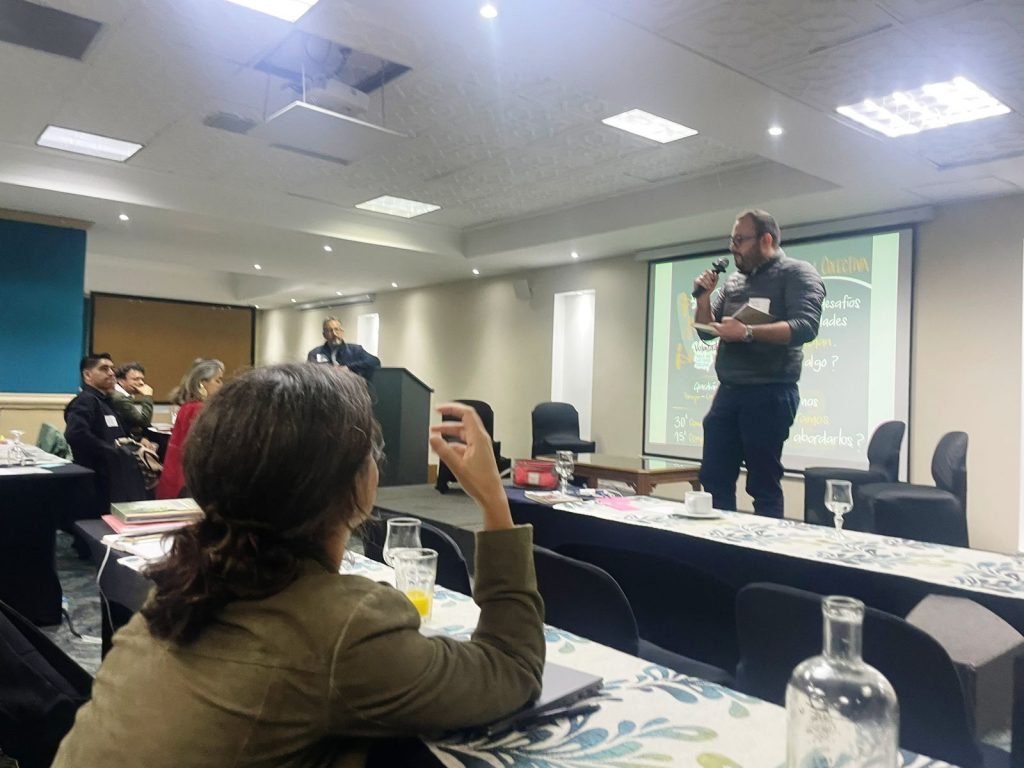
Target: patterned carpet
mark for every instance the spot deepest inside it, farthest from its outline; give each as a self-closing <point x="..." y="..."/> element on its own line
<point x="82" y="602"/>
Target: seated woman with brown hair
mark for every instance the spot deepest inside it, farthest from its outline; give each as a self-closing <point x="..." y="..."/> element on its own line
<point x="253" y="650"/>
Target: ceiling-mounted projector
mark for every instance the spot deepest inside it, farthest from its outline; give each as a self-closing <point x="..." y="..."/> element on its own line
<point x="339" y="97"/>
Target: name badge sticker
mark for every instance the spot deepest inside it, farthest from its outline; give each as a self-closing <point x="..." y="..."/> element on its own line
<point x="111" y="420"/>
<point x="759" y="303"/>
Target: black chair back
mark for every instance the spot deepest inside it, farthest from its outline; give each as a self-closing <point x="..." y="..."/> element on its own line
<point x="884" y="449"/>
<point x="556" y="426"/>
<point x="781" y="626"/>
<point x="486" y="414"/>
<point x="698" y="620"/>
<point x="949" y="465"/>
<point x="41" y="688"/>
<point x="452" y="569"/>
<point x="583" y="599"/>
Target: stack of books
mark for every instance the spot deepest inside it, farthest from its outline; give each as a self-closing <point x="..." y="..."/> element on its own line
<point x="144" y="518"/>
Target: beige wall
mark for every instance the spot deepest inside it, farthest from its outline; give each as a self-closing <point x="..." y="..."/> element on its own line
<point x="475" y="339"/>
<point x="29" y="412"/>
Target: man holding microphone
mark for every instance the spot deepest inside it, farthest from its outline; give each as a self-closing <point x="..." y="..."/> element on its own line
<point x="758" y="366"/>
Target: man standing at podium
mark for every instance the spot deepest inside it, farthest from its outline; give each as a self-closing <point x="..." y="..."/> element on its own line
<point x="758" y="362"/>
<point x="335" y="351"/>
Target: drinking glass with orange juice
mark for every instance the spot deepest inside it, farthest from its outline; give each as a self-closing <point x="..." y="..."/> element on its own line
<point x="415" y="573"/>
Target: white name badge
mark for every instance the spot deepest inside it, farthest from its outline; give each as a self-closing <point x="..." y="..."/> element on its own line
<point x="321" y="358"/>
<point x="759" y="303"/>
<point x="111" y="421"/>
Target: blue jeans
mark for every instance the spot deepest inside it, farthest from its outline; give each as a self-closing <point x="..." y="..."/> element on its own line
<point x="748" y="424"/>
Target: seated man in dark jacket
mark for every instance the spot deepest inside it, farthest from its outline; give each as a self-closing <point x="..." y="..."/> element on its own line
<point x="91" y="430"/>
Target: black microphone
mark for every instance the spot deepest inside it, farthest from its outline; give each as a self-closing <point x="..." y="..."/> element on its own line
<point x="718" y="266"/>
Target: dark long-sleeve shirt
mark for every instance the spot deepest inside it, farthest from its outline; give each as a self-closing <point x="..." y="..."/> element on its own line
<point x="795" y="292"/>
<point x="91" y="429"/>
<point x="353" y="356"/>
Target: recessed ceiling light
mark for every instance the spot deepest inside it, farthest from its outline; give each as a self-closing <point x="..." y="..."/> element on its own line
<point x="289" y="10"/>
<point x="339" y="293"/>
<point x="394" y="285"/>
<point x="82" y="143"/>
<point x="489" y="11"/>
<point x="257" y="306"/>
<point x="936" y="105"/>
<point x="328" y="248"/>
<point x="123" y="217"/>
<point x="574" y="255"/>
<point x="398" y="206"/>
<point x="775" y="130"/>
<point x="649" y="126"/>
<point x="256" y="266"/>
<point x="476" y="271"/>
<point x="293" y="301"/>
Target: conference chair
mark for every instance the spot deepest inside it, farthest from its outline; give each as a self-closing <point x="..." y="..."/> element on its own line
<point x="452" y="570"/>
<point x="1017" y="727"/>
<point x="41" y="688"/>
<point x="781" y="626"/>
<point x="678" y="606"/>
<point x="486" y="413"/>
<point x="922" y="512"/>
<point x="556" y="427"/>
<point x="883" y="467"/>
<point x="585" y="600"/>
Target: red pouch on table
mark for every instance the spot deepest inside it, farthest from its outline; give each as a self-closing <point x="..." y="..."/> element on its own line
<point x="530" y="473"/>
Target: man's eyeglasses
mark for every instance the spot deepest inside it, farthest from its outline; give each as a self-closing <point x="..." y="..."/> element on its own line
<point x="738" y="240"/>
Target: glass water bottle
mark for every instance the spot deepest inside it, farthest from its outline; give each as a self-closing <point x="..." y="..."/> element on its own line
<point x="839" y="710"/>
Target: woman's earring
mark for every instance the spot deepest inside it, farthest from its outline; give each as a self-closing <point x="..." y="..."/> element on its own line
<point x="202" y="390"/>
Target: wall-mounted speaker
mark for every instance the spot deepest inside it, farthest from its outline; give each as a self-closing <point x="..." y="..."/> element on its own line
<point x="523" y="290"/>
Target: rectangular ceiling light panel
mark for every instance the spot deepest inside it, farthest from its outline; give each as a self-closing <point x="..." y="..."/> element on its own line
<point x="649" y="126"/>
<point x="289" y="10"/>
<point x="936" y="105"/>
<point x="91" y="144"/>
<point x="398" y="206"/>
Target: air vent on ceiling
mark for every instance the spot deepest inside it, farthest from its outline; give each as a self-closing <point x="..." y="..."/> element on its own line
<point x="46" y="29"/>
<point x="226" y="121"/>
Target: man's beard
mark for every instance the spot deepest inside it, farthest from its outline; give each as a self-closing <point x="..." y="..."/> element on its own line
<point x="335" y="342"/>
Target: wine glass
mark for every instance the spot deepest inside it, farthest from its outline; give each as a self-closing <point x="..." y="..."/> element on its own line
<point x="838" y="501"/>
<point x="403" y="533"/>
<point x="16" y="452"/>
<point x="564" y="466"/>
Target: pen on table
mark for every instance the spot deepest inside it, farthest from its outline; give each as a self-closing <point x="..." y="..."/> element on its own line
<point x="551" y="717"/>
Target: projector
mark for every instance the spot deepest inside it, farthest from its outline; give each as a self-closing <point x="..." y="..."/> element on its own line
<point x="339" y="97"/>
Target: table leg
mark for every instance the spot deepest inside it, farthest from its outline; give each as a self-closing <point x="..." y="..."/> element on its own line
<point x="643" y="486"/>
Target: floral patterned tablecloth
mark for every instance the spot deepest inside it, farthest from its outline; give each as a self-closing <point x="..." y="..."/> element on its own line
<point x="649" y="717"/>
<point x="956" y="567"/>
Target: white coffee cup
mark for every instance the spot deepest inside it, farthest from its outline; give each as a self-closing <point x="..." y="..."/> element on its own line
<point x="698" y="502"/>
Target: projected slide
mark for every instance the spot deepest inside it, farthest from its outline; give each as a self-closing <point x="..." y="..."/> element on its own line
<point x="855" y="374"/>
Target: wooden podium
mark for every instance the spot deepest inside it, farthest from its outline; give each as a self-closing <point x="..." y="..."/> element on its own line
<point x="402" y="406"/>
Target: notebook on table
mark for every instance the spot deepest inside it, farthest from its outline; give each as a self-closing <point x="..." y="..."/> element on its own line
<point x="561" y="687"/>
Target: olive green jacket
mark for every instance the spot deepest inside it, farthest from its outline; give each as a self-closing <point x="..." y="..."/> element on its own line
<point x="308" y="676"/>
<point x="134" y="415"/>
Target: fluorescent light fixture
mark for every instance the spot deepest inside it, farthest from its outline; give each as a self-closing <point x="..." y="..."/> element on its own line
<point x="489" y="11"/>
<point x="574" y="255"/>
<point x="936" y="105"/>
<point x="476" y="271"/>
<point x="289" y="10"/>
<point x="397" y="206"/>
<point x="775" y="130"/>
<point x="356" y="298"/>
<point x="257" y="267"/>
<point x="394" y="285"/>
<point x="124" y="217"/>
<point x="82" y="143"/>
<point x="649" y="126"/>
<point x="328" y="248"/>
